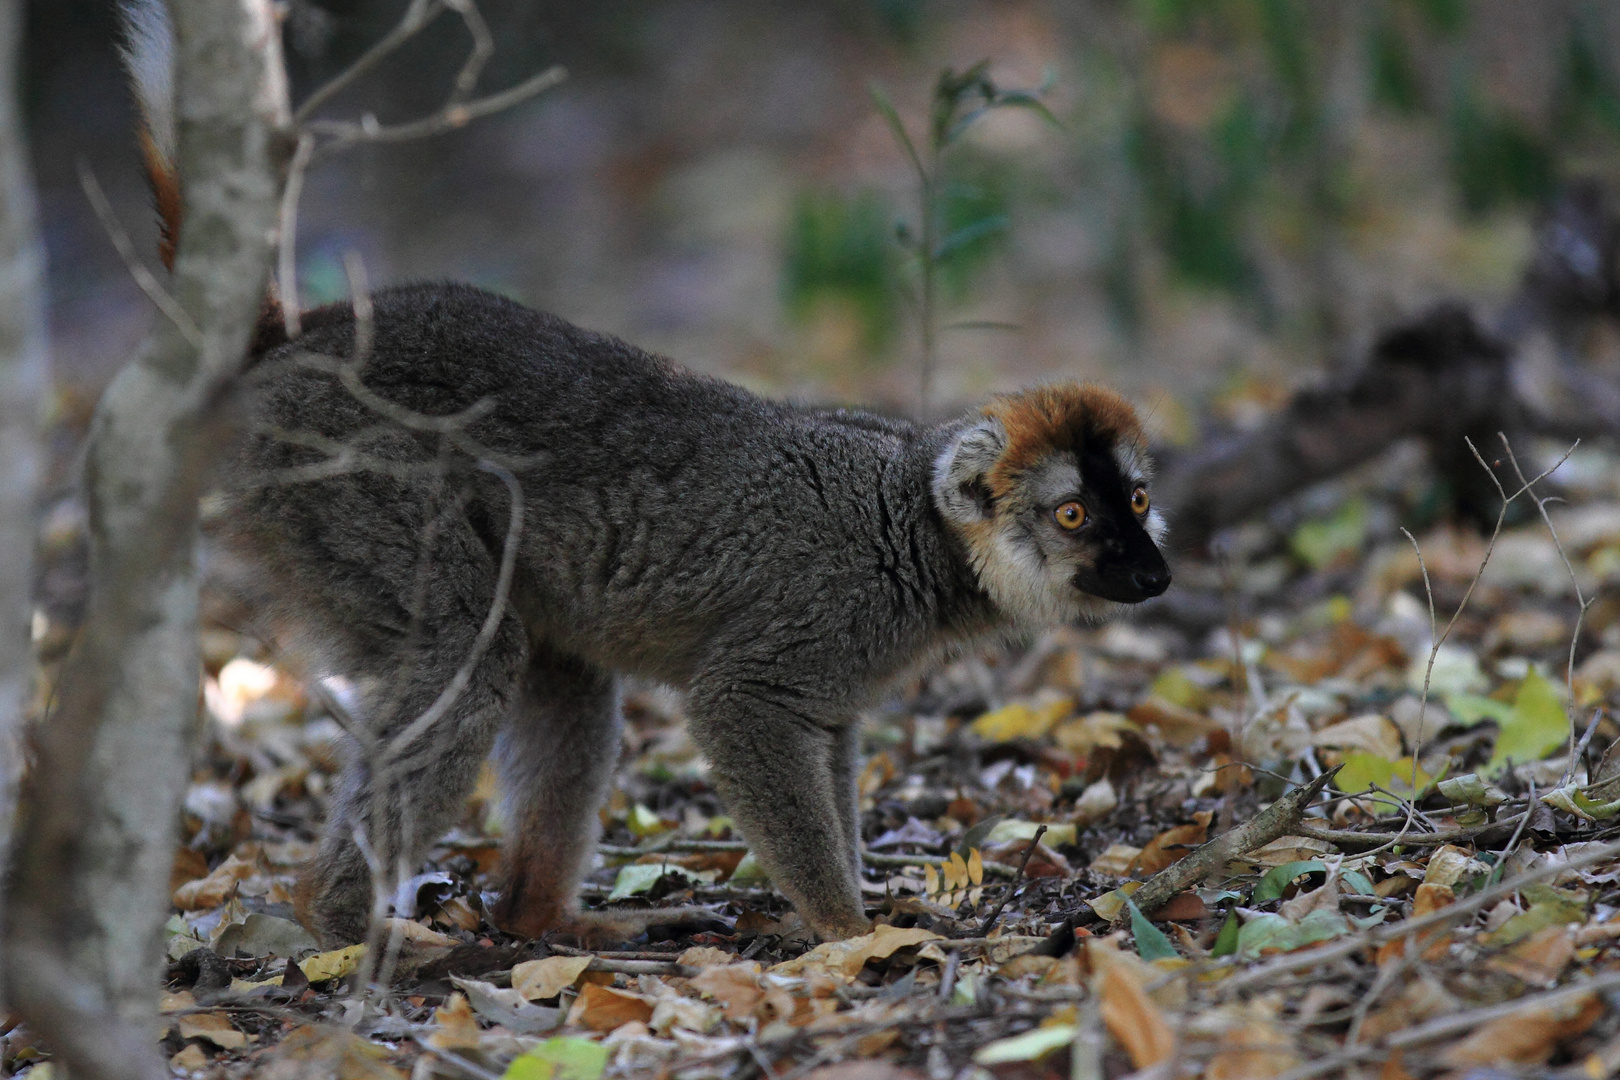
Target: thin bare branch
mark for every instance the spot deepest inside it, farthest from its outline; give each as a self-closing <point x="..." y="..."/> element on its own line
<point x="150" y="285"/>
<point x="346" y="133"/>
<point x="418" y="15"/>
<point x="287" y="257"/>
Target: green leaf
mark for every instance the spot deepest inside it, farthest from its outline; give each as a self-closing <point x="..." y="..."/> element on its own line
<point x="1151" y="942"/>
<point x="1278" y="878"/>
<point x="1403" y="777"/>
<point x="891" y="116"/>
<point x="1273" y="932"/>
<point x="1470" y="709"/>
<point x="1359" y="883"/>
<point x="974" y="837"/>
<point x="748" y="872"/>
<point x="1323" y="542"/>
<point x="1471" y="790"/>
<point x="1538" y="726"/>
<point x="564" y="1057"/>
<point x="639" y="877"/>
<point x="1032" y="1044"/>
<point x="1548" y="907"/>
<point x="1361" y="771"/>
<point x="1024" y="99"/>
<point x="961" y="238"/>
<point x="1226" y="942"/>
<point x="1572" y="800"/>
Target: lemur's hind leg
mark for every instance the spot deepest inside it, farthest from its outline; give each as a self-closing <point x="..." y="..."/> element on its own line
<point x="557" y="756"/>
<point x="397" y="584"/>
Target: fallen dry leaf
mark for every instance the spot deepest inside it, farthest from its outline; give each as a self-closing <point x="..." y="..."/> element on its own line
<point x="414" y="932"/>
<point x="1527" y="1037"/>
<point x="1540" y="958"/>
<point x="191" y="1059"/>
<point x="316" y="1051"/>
<point x="1252" y="1051"/>
<point x="542" y="980"/>
<point x="735" y="986"/>
<point x="332" y="965"/>
<point x="215" y="1027"/>
<point x="602" y="1008"/>
<point x="1172" y="845"/>
<point x="1132" y="1017"/>
<point x="846" y="958"/>
<point x="1369" y="734"/>
<point x="213" y="890"/>
<point x="455" y="1025"/>
<point x="704" y="956"/>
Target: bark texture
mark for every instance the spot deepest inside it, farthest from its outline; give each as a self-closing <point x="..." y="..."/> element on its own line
<point x="23" y="378"/>
<point x="99" y="816"/>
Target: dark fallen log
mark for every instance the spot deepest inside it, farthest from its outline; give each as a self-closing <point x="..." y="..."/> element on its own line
<point x="1442" y="377"/>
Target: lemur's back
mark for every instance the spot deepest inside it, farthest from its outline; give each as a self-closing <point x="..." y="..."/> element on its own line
<point x="662" y="509"/>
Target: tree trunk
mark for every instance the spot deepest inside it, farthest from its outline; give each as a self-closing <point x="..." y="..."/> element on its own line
<point x="23" y="379"/>
<point x="98" y="825"/>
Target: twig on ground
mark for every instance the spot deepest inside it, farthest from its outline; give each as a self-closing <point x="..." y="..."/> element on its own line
<point x="1377" y="935"/>
<point x="1018" y="876"/>
<point x="1381" y="839"/>
<point x="1279" y="819"/>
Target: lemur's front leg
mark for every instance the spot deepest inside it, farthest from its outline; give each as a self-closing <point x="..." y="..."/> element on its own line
<point x="781" y="771"/>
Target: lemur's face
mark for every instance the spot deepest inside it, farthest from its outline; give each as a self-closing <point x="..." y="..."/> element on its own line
<point x="1091" y="518"/>
<point x="1050" y="492"/>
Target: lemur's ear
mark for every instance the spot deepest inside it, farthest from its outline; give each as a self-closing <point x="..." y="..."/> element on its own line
<point x="961" y="472"/>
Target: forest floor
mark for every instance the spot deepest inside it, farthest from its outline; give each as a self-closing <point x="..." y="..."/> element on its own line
<point x="1448" y="906"/>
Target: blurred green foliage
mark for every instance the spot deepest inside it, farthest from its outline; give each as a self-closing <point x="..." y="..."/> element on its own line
<point x="1221" y="146"/>
<point x="934" y="253"/>
<point x="839" y="247"/>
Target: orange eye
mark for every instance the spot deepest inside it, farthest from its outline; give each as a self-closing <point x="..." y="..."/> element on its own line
<point x="1071" y="515"/>
<point x="1139" y="501"/>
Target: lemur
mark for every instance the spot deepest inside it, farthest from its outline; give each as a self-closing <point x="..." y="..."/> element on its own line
<point x="781" y="564"/>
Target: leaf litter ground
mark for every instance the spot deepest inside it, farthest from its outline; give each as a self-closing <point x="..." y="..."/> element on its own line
<point x="1013" y="802"/>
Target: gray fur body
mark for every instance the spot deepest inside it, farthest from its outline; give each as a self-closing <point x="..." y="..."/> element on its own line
<point x="778" y="563"/>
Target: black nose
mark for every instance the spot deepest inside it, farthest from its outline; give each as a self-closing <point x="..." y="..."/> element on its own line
<point x="1151" y="583"/>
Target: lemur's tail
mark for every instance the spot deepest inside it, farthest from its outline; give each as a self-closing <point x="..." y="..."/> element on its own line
<point x="149" y="57"/>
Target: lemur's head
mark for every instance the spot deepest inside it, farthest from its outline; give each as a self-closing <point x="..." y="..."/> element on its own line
<point x="1048" y="489"/>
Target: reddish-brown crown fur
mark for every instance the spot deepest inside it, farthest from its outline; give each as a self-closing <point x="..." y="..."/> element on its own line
<point x="1054" y="419"/>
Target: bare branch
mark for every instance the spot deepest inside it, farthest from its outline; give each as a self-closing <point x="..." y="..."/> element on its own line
<point x="150" y="285"/>
<point x="418" y="15"/>
<point x="287" y="265"/>
<point x="346" y="133"/>
<point x="24" y="383"/>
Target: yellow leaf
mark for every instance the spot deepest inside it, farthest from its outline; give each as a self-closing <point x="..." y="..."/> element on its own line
<point x="1021" y="720"/>
<point x="931" y="880"/>
<point x="956" y="872"/>
<point x="1086" y="733"/>
<point x="332" y="965"/>
<point x="643" y="822"/>
<point x="975" y="867"/>
<point x="846" y="958"/>
<point x="540" y="980"/>
<point x="214" y="1027"/>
